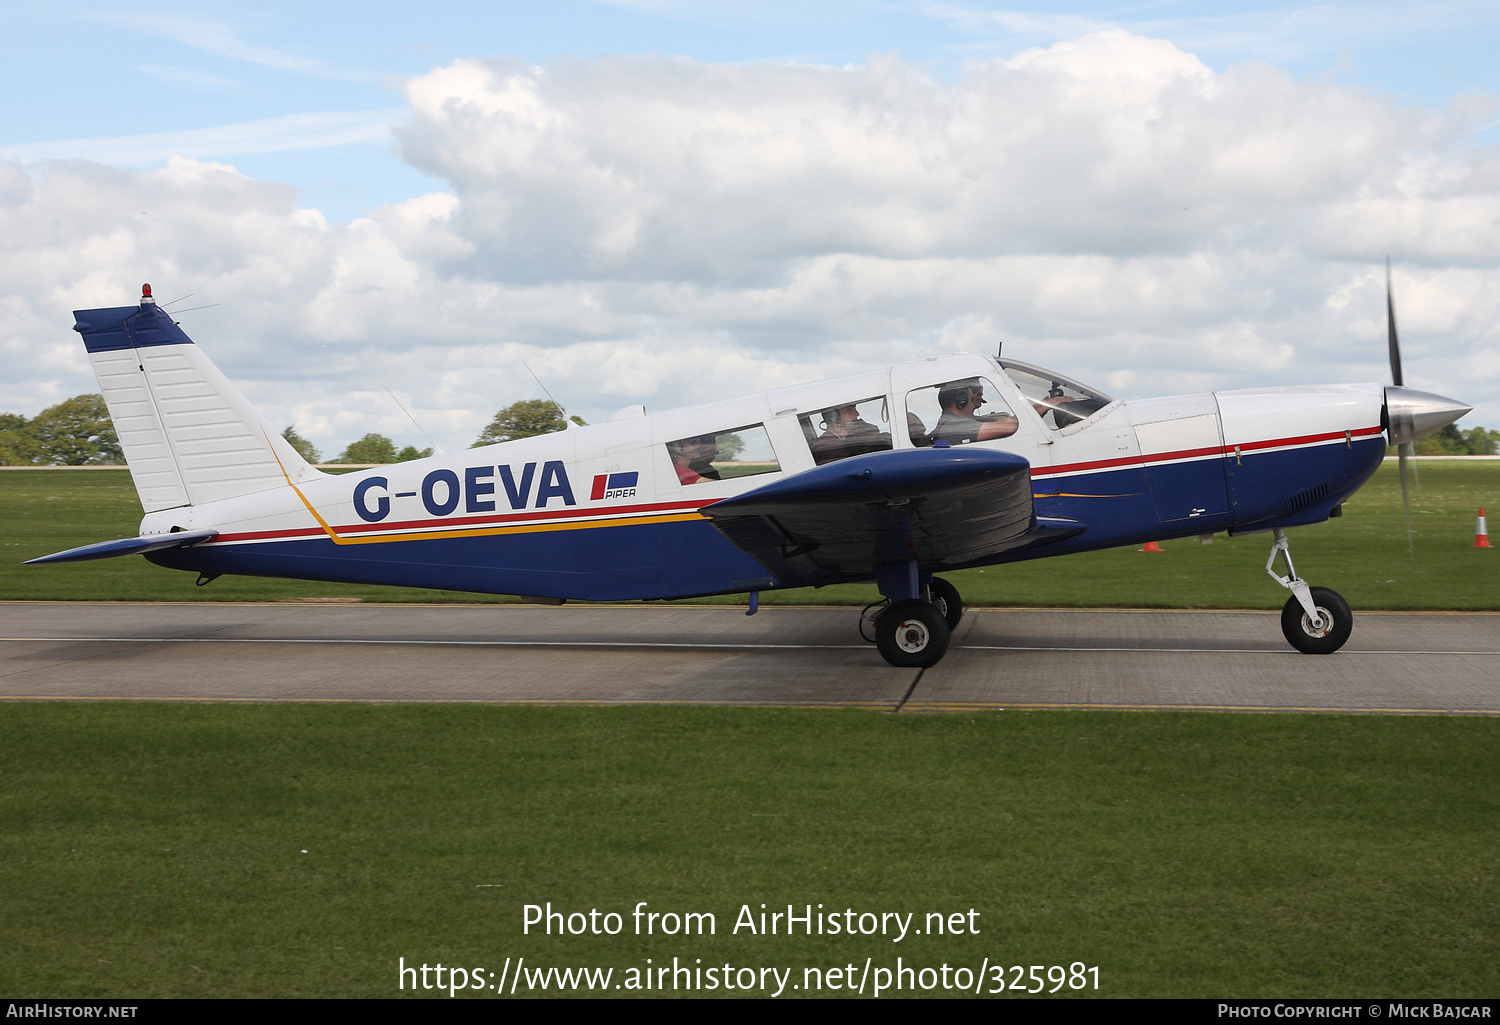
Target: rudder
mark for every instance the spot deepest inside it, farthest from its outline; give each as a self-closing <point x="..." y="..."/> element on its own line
<point x="188" y="434"/>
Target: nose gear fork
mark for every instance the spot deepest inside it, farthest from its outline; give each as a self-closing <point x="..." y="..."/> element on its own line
<point x="1292" y="582"/>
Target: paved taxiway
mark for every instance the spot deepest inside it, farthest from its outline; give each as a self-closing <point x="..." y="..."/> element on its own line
<point x="1027" y="658"/>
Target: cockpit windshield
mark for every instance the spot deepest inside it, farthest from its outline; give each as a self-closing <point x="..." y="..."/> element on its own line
<point x="1058" y="400"/>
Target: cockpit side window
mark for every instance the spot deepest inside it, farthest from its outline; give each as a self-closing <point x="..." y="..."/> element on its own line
<point x="739" y="452"/>
<point x="848" y="429"/>
<point x="1057" y="400"/>
<point x="958" y="413"/>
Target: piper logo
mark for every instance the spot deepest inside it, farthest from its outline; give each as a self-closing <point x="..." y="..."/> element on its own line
<point x="615" y="485"/>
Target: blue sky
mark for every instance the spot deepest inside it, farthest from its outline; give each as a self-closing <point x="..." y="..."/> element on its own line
<point x="663" y="201"/>
<point x="273" y="87"/>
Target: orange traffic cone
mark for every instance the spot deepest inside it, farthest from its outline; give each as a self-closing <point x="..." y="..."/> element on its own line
<point x="1481" y="533"/>
<point x="1150" y="546"/>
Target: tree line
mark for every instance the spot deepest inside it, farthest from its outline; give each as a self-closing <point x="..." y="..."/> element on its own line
<point x="1450" y="441"/>
<point x="525" y="419"/>
<point x="78" y="432"/>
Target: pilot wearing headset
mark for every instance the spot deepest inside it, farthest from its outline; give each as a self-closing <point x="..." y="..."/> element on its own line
<point x="960" y="424"/>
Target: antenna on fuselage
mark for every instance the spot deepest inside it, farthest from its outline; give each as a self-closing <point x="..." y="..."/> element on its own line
<point x="567" y="423"/>
<point x="436" y="448"/>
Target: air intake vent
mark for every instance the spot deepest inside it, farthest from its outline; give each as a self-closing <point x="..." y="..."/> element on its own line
<point x="1303" y="499"/>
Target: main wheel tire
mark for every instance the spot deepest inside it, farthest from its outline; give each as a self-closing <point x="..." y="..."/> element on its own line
<point x="911" y="634"/>
<point x="945" y="599"/>
<point x="1298" y="628"/>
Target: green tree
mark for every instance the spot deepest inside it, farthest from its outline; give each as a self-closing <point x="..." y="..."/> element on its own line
<point x="411" y="452"/>
<point x="15" y="441"/>
<point x="372" y="448"/>
<point x="1482" y="442"/>
<point x="304" y="447"/>
<point x="1450" y="441"/>
<point x="730" y="447"/>
<point x="525" y="419"/>
<point x="1446" y="442"/>
<point x="75" y="432"/>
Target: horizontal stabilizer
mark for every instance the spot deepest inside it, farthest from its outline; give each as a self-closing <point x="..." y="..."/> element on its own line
<point x="943" y="508"/>
<point x="129" y="546"/>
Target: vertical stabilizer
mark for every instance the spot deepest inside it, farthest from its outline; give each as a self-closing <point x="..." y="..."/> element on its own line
<point x="188" y="435"/>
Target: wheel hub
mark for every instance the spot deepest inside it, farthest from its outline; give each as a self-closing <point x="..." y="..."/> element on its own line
<point x="912" y="636"/>
<point x="1322" y="627"/>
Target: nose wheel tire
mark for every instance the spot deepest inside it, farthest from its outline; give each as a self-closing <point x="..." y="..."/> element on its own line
<point x="945" y="599"/>
<point x="912" y="634"/>
<point x="1331" y="633"/>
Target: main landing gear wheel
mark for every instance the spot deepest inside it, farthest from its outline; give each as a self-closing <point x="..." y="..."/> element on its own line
<point x="1336" y="621"/>
<point x="912" y="634"/>
<point x="944" y="597"/>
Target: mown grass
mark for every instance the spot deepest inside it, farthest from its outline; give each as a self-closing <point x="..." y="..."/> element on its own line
<point x="1363" y="555"/>
<point x="157" y="850"/>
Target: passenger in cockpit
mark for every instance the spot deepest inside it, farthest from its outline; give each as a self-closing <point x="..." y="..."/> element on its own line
<point x="960" y="423"/>
<point x="858" y="435"/>
<point x="692" y="458"/>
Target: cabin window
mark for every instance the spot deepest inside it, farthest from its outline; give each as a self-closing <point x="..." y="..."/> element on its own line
<point x="847" y="429"/>
<point x="1057" y="400"/>
<point x="720" y="455"/>
<point x="958" y="412"/>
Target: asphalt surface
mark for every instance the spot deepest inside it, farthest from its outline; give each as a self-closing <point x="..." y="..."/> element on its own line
<point x="1022" y="659"/>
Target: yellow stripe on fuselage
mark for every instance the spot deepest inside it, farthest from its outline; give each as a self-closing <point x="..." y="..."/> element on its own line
<point x="525" y="528"/>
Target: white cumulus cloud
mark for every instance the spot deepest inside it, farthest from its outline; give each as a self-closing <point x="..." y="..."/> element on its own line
<point x="667" y="231"/>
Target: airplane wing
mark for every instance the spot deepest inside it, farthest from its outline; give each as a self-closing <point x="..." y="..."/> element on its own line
<point x="945" y="508"/>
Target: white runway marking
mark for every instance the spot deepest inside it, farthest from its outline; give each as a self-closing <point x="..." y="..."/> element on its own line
<point x="705" y="645"/>
<point x="441" y="644"/>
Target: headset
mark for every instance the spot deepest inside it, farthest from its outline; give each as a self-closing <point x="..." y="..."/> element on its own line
<point x="958" y="398"/>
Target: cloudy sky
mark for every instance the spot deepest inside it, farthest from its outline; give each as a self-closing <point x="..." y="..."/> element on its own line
<point x="669" y="201"/>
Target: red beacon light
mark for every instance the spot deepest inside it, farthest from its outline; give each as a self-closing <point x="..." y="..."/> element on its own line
<point x="146" y="294"/>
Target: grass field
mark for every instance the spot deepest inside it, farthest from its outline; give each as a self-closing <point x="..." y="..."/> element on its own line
<point x="158" y="850"/>
<point x="1363" y="555"/>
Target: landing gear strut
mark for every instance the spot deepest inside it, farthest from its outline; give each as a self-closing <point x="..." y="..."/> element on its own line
<point x="1314" y="620"/>
<point x="914" y="629"/>
<point x="944" y="596"/>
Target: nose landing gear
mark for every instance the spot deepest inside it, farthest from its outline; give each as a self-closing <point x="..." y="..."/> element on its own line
<point x="1314" y="620"/>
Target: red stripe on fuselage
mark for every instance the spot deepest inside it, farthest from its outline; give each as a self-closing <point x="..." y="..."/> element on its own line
<point x="1201" y="453"/>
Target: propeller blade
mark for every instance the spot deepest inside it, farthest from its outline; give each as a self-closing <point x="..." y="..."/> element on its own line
<point x="1390" y="326"/>
<point x="1408" y="449"/>
<point x="1402" y="452"/>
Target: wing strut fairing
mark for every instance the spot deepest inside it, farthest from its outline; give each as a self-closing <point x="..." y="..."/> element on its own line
<point x="937" y="508"/>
